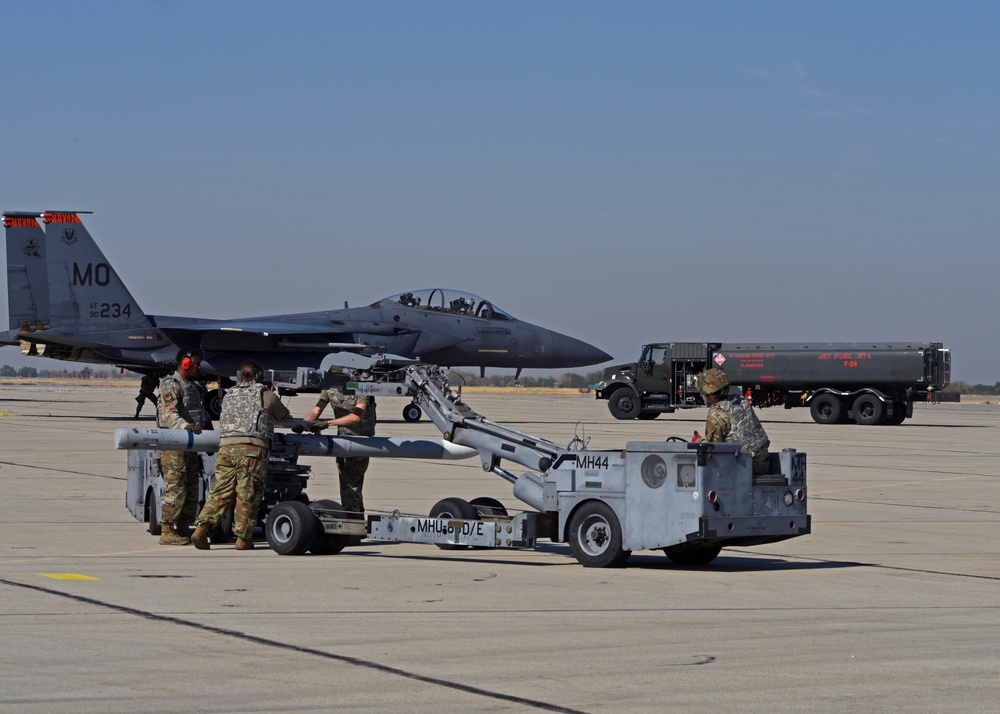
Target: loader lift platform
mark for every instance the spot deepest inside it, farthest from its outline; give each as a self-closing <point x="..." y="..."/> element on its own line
<point x="688" y="499"/>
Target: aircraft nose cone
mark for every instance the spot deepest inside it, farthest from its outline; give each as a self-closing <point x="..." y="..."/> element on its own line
<point x="574" y="352"/>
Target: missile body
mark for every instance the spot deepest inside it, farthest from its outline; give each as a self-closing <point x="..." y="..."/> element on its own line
<point x="130" y="438"/>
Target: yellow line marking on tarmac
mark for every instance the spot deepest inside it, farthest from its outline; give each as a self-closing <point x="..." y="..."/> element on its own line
<point x="67" y="576"/>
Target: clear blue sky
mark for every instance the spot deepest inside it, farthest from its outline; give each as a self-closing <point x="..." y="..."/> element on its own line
<point x="620" y="172"/>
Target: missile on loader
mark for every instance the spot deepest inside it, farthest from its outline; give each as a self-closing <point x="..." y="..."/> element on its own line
<point x="133" y="438"/>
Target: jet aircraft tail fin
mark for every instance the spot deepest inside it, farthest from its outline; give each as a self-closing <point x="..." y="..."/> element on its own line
<point x="85" y="292"/>
<point x="27" y="281"/>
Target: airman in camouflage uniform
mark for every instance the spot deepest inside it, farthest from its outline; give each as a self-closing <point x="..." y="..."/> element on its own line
<point x="180" y="407"/>
<point x="147" y="392"/>
<point x="353" y="416"/>
<point x="731" y="419"/>
<point x="249" y="411"/>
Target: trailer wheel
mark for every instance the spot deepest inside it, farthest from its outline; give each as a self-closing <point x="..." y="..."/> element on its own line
<point x="154" y="515"/>
<point x="685" y="554"/>
<point x="487" y="507"/>
<point x="646" y="416"/>
<point x="868" y="410"/>
<point x="454" y="509"/>
<point x="595" y="536"/>
<point x="412" y="413"/>
<point x="290" y="528"/>
<point x="624" y="404"/>
<point x="826" y="409"/>
<point x="328" y="543"/>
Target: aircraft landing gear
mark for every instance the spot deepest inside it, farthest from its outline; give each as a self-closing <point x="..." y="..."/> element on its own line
<point x="412" y="413"/>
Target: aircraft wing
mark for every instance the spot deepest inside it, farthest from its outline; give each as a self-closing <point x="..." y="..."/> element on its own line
<point x="284" y="328"/>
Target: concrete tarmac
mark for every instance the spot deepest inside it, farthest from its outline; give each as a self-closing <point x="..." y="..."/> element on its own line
<point x="892" y="604"/>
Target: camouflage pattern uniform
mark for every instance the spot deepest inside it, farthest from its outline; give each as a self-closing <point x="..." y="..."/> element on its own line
<point x="351" y="469"/>
<point x="180" y="407"/>
<point x="732" y="419"/>
<point x="246" y="432"/>
<point x="147" y="392"/>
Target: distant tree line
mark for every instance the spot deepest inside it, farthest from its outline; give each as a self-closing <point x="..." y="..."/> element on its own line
<point x="85" y="373"/>
<point x="570" y="380"/>
<point x="966" y="388"/>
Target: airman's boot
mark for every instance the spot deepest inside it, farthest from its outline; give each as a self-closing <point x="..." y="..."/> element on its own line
<point x="183" y="529"/>
<point x="169" y="537"/>
<point x="200" y="538"/>
<point x="242" y="544"/>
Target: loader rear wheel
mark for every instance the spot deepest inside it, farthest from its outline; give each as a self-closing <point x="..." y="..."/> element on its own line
<point x="595" y="536"/>
<point x="488" y="507"/>
<point x="154" y="516"/>
<point x="328" y="543"/>
<point x="223" y="530"/>
<point x="826" y="409"/>
<point x="685" y="554"/>
<point x="624" y="404"/>
<point x="454" y="509"/>
<point x="291" y="528"/>
<point x="868" y="410"/>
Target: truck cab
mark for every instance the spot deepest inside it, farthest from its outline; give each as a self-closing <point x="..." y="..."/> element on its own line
<point x="661" y="381"/>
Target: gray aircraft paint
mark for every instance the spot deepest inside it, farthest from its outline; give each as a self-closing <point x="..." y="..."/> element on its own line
<point x="92" y="317"/>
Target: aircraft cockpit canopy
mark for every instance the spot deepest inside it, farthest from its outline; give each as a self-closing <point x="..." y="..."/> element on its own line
<point x="455" y="302"/>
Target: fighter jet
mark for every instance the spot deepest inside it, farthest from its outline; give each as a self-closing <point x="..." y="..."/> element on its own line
<point x="67" y="302"/>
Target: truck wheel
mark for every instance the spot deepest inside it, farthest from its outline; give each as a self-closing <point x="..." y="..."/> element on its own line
<point x="646" y="416"/>
<point x="488" y="507"/>
<point x="290" y="528"/>
<point x="685" y="554"/>
<point x="412" y="413"/>
<point x="154" y="515"/>
<point x="213" y="405"/>
<point x="328" y="543"/>
<point x="453" y="509"/>
<point x="826" y="409"/>
<point x="624" y="404"/>
<point x="868" y="410"/>
<point x="898" y="414"/>
<point x="595" y="536"/>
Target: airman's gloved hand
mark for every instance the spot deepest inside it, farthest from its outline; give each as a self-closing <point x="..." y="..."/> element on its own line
<point x="193" y="427"/>
<point x="298" y="429"/>
<point x="319" y="426"/>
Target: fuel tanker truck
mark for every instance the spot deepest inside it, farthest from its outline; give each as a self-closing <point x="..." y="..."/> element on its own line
<point x="861" y="382"/>
<point x="689" y="500"/>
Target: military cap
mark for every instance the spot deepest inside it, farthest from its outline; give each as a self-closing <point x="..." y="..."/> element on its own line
<point x="711" y="381"/>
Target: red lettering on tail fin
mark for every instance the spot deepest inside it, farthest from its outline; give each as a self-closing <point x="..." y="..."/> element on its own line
<point x="61" y="218"/>
<point x="19" y="222"/>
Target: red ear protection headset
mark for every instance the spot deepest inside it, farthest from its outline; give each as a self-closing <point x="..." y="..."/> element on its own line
<point x="187" y="361"/>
